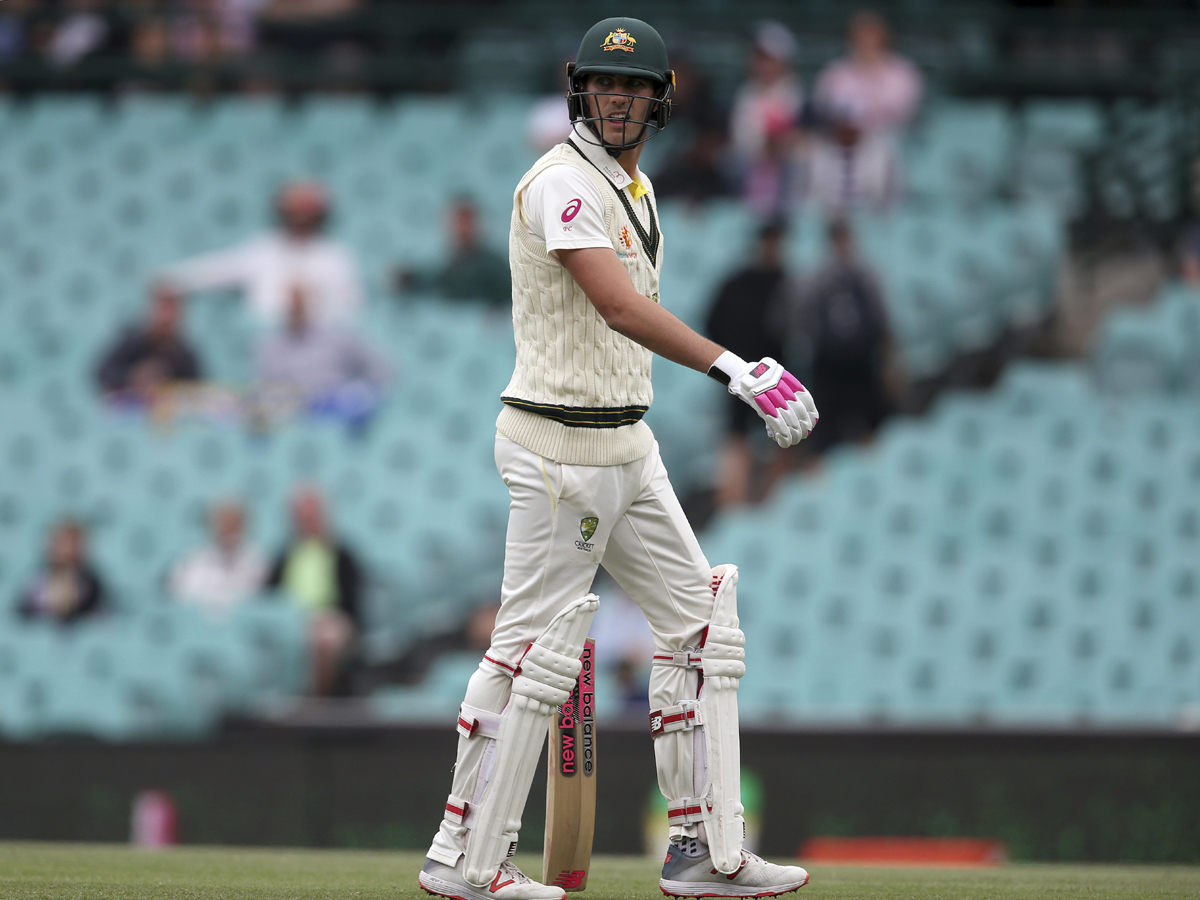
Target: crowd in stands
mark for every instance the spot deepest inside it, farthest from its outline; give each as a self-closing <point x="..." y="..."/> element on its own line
<point x="831" y="324"/>
<point x="780" y="146"/>
<point x="834" y="145"/>
<point x="64" y="32"/>
<point x="314" y="570"/>
<point x="303" y="291"/>
<point x="783" y="148"/>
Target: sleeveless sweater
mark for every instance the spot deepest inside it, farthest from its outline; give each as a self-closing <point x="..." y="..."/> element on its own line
<point x="579" y="389"/>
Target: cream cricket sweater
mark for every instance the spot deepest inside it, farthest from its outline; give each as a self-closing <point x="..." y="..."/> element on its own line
<point x="579" y="389"/>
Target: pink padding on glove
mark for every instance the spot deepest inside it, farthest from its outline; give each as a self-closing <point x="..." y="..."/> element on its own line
<point x="791" y="381"/>
<point x="765" y="404"/>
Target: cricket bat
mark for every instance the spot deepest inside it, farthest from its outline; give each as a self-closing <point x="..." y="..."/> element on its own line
<point x="571" y="783"/>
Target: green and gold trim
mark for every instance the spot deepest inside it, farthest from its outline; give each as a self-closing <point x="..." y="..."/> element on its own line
<point x="649" y="240"/>
<point x="581" y="416"/>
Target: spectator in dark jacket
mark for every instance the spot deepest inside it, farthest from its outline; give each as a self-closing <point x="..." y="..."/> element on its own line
<point x="838" y="313"/>
<point x="474" y="270"/>
<point x="151" y="355"/>
<point x="321" y="576"/>
<point x="696" y="174"/>
<point x="741" y="320"/>
<point x="67" y="589"/>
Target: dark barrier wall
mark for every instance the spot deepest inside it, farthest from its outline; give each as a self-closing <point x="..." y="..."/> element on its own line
<point x="1067" y="797"/>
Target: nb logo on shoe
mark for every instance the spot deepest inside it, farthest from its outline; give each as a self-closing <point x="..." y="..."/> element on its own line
<point x="497" y="883"/>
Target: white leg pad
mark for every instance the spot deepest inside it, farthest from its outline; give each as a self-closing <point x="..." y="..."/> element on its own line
<point x="696" y="740"/>
<point x="723" y="665"/>
<point x="543" y="681"/>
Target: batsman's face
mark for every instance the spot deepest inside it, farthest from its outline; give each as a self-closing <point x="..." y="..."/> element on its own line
<point x="619" y="101"/>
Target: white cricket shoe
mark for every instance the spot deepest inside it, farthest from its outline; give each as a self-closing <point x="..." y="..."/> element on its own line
<point x="695" y="876"/>
<point x="510" y="883"/>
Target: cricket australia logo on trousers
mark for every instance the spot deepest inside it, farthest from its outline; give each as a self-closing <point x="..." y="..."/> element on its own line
<point x="587" y="527"/>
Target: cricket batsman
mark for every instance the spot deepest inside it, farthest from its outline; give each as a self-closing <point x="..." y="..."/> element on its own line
<point x="588" y="488"/>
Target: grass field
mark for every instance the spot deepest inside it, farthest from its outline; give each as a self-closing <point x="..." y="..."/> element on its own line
<point x="109" y="872"/>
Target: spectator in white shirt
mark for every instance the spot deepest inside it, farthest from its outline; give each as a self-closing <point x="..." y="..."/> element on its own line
<point x="770" y="95"/>
<point x="224" y="573"/>
<point x="323" y="368"/>
<point x="873" y="90"/>
<point x="863" y="101"/>
<point x="266" y="268"/>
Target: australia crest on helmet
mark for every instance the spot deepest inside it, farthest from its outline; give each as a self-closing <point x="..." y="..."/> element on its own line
<point x="619" y="40"/>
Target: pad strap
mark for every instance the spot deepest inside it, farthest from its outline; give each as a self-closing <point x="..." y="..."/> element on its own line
<point x="472" y="722"/>
<point x="507" y="668"/>
<point x="686" y="811"/>
<point x="688" y="659"/>
<point x="683" y="717"/>
<point x="457" y="810"/>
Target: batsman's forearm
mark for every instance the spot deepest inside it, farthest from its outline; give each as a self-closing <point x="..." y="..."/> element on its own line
<point x="603" y="278"/>
<point x="661" y="332"/>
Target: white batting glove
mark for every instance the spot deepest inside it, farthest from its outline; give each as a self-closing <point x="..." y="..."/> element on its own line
<point x="776" y="395"/>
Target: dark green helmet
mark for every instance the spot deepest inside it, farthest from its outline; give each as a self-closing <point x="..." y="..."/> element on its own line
<point x="622" y="46"/>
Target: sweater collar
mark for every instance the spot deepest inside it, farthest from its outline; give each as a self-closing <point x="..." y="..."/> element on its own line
<point x="597" y="156"/>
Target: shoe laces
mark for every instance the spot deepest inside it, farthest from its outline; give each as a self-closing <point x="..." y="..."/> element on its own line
<point x="511" y="871"/>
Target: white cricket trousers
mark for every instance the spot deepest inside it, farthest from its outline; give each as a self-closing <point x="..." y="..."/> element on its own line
<point x="553" y="548"/>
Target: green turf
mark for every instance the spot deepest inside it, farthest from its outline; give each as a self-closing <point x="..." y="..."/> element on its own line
<point x="107" y="872"/>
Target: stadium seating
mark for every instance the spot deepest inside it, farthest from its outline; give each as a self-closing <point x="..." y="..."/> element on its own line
<point x="1027" y="557"/>
<point x="93" y="199"/>
<point x="1152" y="348"/>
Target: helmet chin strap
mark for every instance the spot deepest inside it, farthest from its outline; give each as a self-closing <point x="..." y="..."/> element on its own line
<point x="615" y="150"/>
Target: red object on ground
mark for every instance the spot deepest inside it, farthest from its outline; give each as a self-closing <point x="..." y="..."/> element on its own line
<point x="904" y="851"/>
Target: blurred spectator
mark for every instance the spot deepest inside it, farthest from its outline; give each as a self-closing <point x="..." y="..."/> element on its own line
<point x="67" y="588"/>
<point x="633" y="690"/>
<point x="311" y="29"/>
<point x="697" y="174"/>
<point x="225" y="572"/>
<point x="151" y="43"/>
<point x="269" y="267"/>
<point x="235" y="23"/>
<point x="14" y="28"/>
<point x="864" y="102"/>
<point x="473" y="272"/>
<point x="838" y="315"/>
<point x="775" y="180"/>
<point x="148" y="357"/>
<point x="306" y="10"/>
<point x="771" y="95"/>
<point x="873" y="90"/>
<point x="82" y="31"/>
<point x="1189" y="256"/>
<point x="323" y="367"/>
<point x="322" y="577"/>
<point x="694" y="107"/>
<point x="549" y="122"/>
<point x="740" y="320"/>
